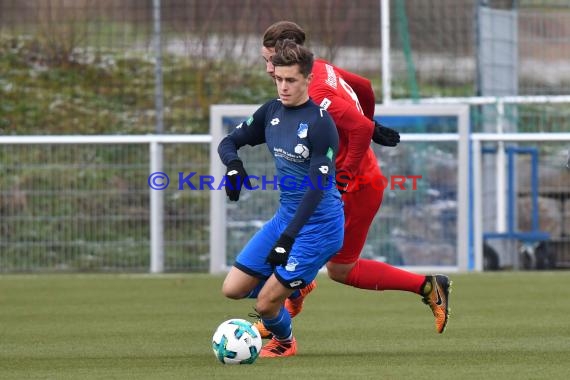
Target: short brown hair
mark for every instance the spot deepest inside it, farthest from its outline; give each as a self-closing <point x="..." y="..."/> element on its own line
<point x="282" y="30"/>
<point x="289" y="53"/>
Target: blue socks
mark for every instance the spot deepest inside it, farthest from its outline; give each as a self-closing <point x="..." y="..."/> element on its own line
<point x="280" y="326"/>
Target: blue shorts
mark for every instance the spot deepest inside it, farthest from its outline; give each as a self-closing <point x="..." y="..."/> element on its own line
<point x="314" y="245"/>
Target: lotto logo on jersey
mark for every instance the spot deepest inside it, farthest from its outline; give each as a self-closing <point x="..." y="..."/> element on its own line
<point x="325" y="103"/>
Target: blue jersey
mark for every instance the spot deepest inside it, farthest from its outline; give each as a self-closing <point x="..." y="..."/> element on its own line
<point x="303" y="141"/>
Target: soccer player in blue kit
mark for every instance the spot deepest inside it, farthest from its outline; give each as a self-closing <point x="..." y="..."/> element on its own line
<point x="307" y="228"/>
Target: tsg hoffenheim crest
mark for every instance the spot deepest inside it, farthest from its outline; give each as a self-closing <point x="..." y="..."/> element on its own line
<point x="302" y="130"/>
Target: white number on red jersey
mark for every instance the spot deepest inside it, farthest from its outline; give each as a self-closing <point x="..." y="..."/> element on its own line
<point x="352" y="94"/>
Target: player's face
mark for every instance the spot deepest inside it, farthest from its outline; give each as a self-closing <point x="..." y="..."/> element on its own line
<point x="267" y="53"/>
<point x="292" y="86"/>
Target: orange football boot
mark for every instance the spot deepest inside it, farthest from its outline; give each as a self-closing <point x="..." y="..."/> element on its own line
<point x="438" y="300"/>
<point x="278" y="349"/>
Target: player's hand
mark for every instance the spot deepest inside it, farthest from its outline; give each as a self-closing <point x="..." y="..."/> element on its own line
<point x="385" y="136"/>
<point x="279" y="254"/>
<point x="236" y="176"/>
<point x="343" y="179"/>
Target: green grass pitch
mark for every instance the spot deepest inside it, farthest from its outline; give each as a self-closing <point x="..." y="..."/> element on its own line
<point x="503" y="326"/>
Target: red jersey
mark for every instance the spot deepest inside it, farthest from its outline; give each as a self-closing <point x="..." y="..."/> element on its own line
<point x="349" y="99"/>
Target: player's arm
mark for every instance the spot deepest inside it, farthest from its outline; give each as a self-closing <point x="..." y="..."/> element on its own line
<point x="359" y="130"/>
<point x="350" y="122"/>
<point x="249" y="132"/>
<point x="324" y="140"/>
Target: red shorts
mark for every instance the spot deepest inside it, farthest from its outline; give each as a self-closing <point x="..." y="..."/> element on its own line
<point x="360" y="207"/>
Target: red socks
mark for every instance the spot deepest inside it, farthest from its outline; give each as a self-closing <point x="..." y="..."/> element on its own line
<point x="376" y="275"/>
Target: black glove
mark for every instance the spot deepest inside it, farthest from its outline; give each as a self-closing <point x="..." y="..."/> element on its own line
<point x="343" y="179"/>
<point x="385" y="136"/>
<point x="279" y="254"/>
<point x="236" y="176"/>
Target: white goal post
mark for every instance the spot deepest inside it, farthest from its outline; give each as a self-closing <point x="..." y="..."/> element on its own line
<point x="223" y="117"/>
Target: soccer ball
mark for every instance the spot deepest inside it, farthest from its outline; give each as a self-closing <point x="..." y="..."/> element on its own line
<point x="236" y="341"/>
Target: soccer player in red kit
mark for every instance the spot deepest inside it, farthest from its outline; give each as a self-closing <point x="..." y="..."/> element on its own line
<point x="349" y="99"/>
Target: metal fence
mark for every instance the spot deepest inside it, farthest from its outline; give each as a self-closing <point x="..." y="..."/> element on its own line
<point x="85" y="203"/>
<point x="532" y="230"/>
<point x="99" y="66"/>
<point x="132" y="67"/>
